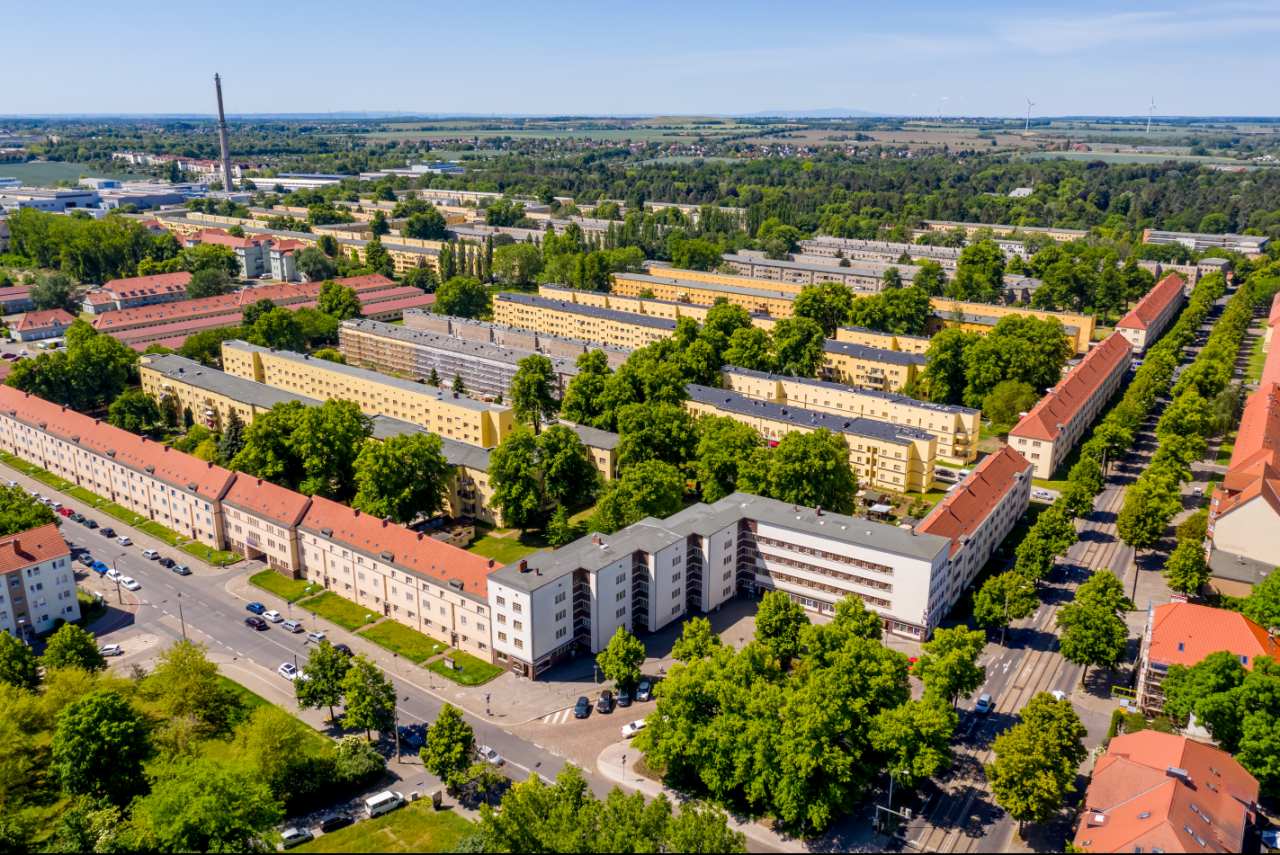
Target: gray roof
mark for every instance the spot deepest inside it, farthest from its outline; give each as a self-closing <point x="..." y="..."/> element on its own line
<point x="877" y="332"/>
<point x="879" y="354"/>
<point x="839" y="387"/>
<point x="240" y="389"/>
<point x="992" y="320"/>
<point x="800" y="417"/>
<point x="908" y="271"/>
<point x="591" y="311"/>
<point x="1238" y="568"/>
<point x="713" y="286"/>
<point x="455" y="453"/>
<point x="373" y="376"/>
<point x="650" y="535"/>
<point x="593" y="436"/>
<point x="440" y="341"/>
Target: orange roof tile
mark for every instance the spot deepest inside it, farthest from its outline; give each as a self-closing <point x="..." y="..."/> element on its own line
<point x="1071" y="395"/>
<point x="41" y="320"/>
<point x="161" y="280"/>
<point x="265" y="499"/>
<point x="1156" y="301"/>
<point x="967" y="506"/>
<point x="1185" y="633"/>
<point x="1274" y="318"/>
<point x="29" y="547"/>
<point x="409" y="550"/>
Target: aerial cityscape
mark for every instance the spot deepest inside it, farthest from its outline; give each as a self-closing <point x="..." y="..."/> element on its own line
<point x="648" y="473"/>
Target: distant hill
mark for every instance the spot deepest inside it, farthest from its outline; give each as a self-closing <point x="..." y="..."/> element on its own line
<point x="828" y="113"/>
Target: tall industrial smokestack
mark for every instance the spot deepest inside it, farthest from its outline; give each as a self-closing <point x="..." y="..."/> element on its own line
<point x="227" y="183"/>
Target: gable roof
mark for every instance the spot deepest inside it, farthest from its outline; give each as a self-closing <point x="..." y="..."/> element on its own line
<point x="31" y="546"/>
<point x="1166" y="291"/>
<point x="1254" y="471"/>
<point x="42" y="320"/>
<point x="1185" y="633"/>
<point x="160" y="281"/>
<point x="968" y="506"/>
<point x="1274" y="317"/>
<point x="264" y="499"/>
<point x="1059" y="407"/>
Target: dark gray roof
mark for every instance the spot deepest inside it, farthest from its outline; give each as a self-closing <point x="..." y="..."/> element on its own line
<point x="240" y="389"/>
<point x="877" y="332"/>
<point x="870" y="393"/>
<point x="713" y="286"/>
<point x="854" y="425"/>
<point x="991" y="320"/>
<point x="594" y="437"/>
<point x="879" y="354"/>
<point x="440" y="341"/>
<point x="1238" y="568"/>
<point x="856" y="266"/>
<point x="456" y="453"/>
<point x="591" y="311"/>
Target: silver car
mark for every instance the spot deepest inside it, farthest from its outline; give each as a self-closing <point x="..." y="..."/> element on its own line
<point x="295" y="836"/>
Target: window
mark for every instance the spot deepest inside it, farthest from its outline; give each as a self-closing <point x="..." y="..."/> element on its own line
<point x="560" y="597"/>
<point x="520" y="643"/>
<point x="620" y="612"/>
<point x="675" y="577"/>
<point x="517" y="608"/>
<point x="561" y="614"/>
<point x="502" y="618"/>
<point x="517" y="625"/>
<point x="675" y="610"/>
<point x="560" y="633"/>
<point x="502" y="636"/>
<point x="622" y="577"/>
<point x="502" y="601"/>
<point x="621" y="595"/>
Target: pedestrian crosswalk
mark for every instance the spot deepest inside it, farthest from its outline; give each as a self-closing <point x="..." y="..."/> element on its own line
<point x="138" y="642"/>
<point x="559" y="717"/>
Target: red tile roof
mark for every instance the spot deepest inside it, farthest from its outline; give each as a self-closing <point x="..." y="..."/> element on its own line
<point x="1255" y="461"/>
<point x="1168" y="290"/>
<point x="422" y="554"/>
<point x="967" y="506"/>
<point x="42" y="320"/>
<point x="1137" y="798"/>
<point x="1071" y="395"/>
<point x="265" y="499"/>
<point x="1185" y="633"/>
<point x="1275" y="312"/>
<point x="126" y="448"/>
<point x="165" y="281"/>
<point x="29" y="547"/>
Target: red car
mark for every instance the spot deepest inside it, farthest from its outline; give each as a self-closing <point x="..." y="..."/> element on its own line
<point x="66" y="512"/>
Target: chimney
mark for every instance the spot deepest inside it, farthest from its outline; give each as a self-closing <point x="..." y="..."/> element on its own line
<point x="490" y="563"/>
<point x="817" y="512"/>
<point x="259" y="482"/>
<point x="1175" y="772"/>
<point x="595" y="538"/>
<point x="523" y="566"/>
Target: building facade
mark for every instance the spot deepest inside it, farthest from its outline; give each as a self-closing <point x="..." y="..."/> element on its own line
<point x="39" y="582"/>
<point x="1153" y="314"/>
<point x="869" y="367"/>
<point x="575" y="320"/>
<point x="36" y="326"/>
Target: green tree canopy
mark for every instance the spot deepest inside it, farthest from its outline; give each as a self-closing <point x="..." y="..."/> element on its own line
<point x="568" y="475"/>
<point x="99" y="746"/>
<point x="370" y="697"/>
<point x="463" y="297"/>
<point x="338" y="301"/>
<point x="648" y="489"/>
<point x="533" y="389"/>
<point x="403" y="477"/>
<point x="448" y="748"/>
<point x="516" y="478"/>
<point x="72" y="647"/>
<point x="621" y="658"/>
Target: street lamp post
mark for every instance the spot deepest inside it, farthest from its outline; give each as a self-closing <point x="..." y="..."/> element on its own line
<point x="181" y="618"/>
<point x="1005" y="628"/>
<point x="119" y="595"/>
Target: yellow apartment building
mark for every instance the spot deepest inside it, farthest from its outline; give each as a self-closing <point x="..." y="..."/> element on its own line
<point x="654" y="308"/>
<point x="884" y="456"/>
<point x="955" y="428"/>
<point x="870" y="367"/>
<point x="442" y="412"/>
<point x="883" y="340"/>
<point x="580" y="321"/>
<point x="1060" y="235"/>
<point x="757" y="296"/>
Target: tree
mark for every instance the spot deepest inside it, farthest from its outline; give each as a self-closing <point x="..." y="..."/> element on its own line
<point x="1036" y="760"/>
<point x="170" y="412"/>
<point x="948" y="664"/>
<point x="323" y="672"/>
<point x="330" y="355"/>
<point x="621" y="658"/>
<point x="944" y="373"/>
<point x="979" y="273"/>
<point x="448" y="747"/>
<point x="404" y="477"/>
<point x="812" y="469"/>
<point x="1019" y="347"/>
<point x="517" y="265"/>
<point x="726" y="448"/>
<point x="1186" y="689"/>
<point x="702" y="829"/>
<point x="916" y="739"/>
<point x="55" y="291"/>
<point x="1186" y="570"/>
<point x="377" y="257"/>
<point x="696" y="254"/>
<point x="20" y="511"/>
<point x="133" y="411"/>
<point x="208" y="256"/>
<point x="427" y="225"/>
<point x="514" y="474"/>
<point x="696" y="641"/>
<point x="930" y="278"/>
<point x="827" y="304"/>
<point x="273" y="741"/>
<point x="1092" y="635"/>
<point x="568" y="475"/>
<point x="18" y="664"/>
<point x="72" y="647"/>
<point x="371" y="697"/>
<point x="232" y="442"/>
<point x="205" y="805"/>
<point x="779" y="621"/>
<point x="750" y="348"/>
<point x="254" y="311"/>
<point x="560" y="531"/>
<point x="99" y="746"/>
<point x="655" y="431"/>
<point x="278" y="329"/>
<point x="1007" y="400"/>
<point x="185" y="682"/>
<point x="463" y="297"/>
<point x="1009" y="596"/>
<point x="378" y="225"/>
<point x="211" y="282"/>
<point x="648" y="489"/>
<point x="581" y="402"/>
<point x="206" y="347"/>
<point x="531" y="391"/>
<point x="798" y="346"/>
<point x="339" y="301"/>
<point x="1262" y="606"/>
<point x="1142" y="520"/>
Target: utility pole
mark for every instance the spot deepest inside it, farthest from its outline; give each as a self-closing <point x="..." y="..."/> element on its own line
<point x="181" y="618"/>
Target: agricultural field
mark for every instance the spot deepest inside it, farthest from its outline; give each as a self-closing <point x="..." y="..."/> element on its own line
<point x="38" y="174"/>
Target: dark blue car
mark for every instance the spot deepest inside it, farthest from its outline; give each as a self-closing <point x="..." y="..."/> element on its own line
<point x="99" y="568"/>
<point x="256" y="608"/>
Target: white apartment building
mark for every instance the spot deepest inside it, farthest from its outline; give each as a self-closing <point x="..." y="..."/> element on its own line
<point x="39" y="584"/>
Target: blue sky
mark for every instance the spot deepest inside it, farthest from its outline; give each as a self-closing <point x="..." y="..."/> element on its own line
<point x="980" y="58"/>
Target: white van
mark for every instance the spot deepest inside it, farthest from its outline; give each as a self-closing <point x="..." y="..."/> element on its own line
<point x="382" y="803"/>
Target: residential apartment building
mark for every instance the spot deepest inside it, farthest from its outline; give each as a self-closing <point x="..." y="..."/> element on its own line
<point x="36" y="326"/>
<point x="445" y="413"/>
<point x="1153" y="314"/>
<point x="1248" y="244"/>
<point x="878" y="250"/>
<point x="869" y="367"/>
<point x="759" y="297"/>
<point x="262" y="522"/>
<point x="982" y="317"/>
<point x="576" y="320"/>
<point x="37" y="582"/>
<point x="1058" y="234"/>
<point x="669" y="309"/>
<point x="860" y="275"/>
<point x="18" y="298"/>
<point x="883" y="340"/>
<point x="1046" y="435"/>
<point x="977" y="515"/>
<point x="139" y="291"/>
<point x="1159" y="792"/>
<point x="1184" y="634"/>
<point x="883" y="455"/>
<point x="409" y="577"/>
<point x="553" y="346"/>
<point x="955" y="428"/>
<point x="1244" y="511"/>
<point x="483" y="367"/>
<point x="157" y="483"/>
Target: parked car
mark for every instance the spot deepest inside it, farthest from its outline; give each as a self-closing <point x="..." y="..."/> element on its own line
<point x="181" y="569"/>
<point x="86" y="559"/>
<point x="605" y="702"/>
<point x="334" y="821"/>
<point x="315" y="637"/>
<point x="107" y="532"/>
<point x="582" y="708"/>
<point x="113" y="574"/>
<point x="124" y="540"/>
<point x="167" y="562"/>
<point x="1196" y="491"/>
<point x="624" y="698"/>
<point x="150" y="554"/>
<point x="66" y="512"/>
<point x="382" y="803"/>
<point x="128" y="582"/>
<point x="76" y="518"/>
<point x="291" y="837"/>
<point x="645" y="692"/>
<point x="111" y="650"/>
<point x="100" y="568"/>
<point x="630" y="730"/>
<point x="89" y="524"/>
<point x="255" y="623"/>
<point x="256" y="608"/>
<point x="292" y="626"/>
<point x="1058" y="695"/>
<point x="409" y="736"/>
<point x="488" y="755"/>
<point x="57" y="506"/>
<point x="343" y="649"/>
<point x="10" y="483"/>
<point x="288" y="670"/>
<point x="984" y="704"/>
<point x="273" y="616"/>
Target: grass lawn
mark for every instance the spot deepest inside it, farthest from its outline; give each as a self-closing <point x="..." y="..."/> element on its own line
<point x="1225" y="450"/>
<point x="89" y="500"/>
<point x="290" y="590"/>
<point x="213" y="556"/>
<point x="338" y="609"/>
<point x="34" y="471"/>
<point x="398" y="638"/>
<point x="1257" y="359"/>
<point x="1059" y="479"/>
<point x="416" y="827"/>
<point x="471" y="671"/>
<point x="504" y="550"/>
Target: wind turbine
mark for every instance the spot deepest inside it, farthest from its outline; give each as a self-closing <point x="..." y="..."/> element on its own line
<point x="1029" y="106"/>
<point x="1150" y="110"/>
